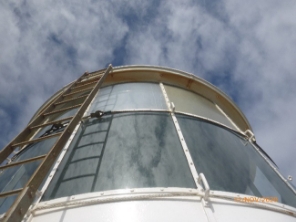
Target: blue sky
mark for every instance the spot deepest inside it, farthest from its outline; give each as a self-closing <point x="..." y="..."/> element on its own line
<point x="246" y="48"/>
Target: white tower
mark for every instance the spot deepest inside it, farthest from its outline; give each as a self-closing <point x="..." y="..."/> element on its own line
<point x="140" y="143"/>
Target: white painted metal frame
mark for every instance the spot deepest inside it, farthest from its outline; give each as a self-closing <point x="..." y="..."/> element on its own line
<point x="181" y="138"/>
<point x="153" y="193"/>
<point x="118" y="195"/>
<point x="229" y="119"/>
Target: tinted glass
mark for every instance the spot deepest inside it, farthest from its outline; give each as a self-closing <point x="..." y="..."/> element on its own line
<point x="129" y="96"/>
<point x="123" y="151"/>
<point x="16" y="177"/>
<point x="65" y="114"/>
<point x="189" y="102"/>
<point x="36" y="149"/>
<point x="230" y="163"/>
<point x="6" y="202"/>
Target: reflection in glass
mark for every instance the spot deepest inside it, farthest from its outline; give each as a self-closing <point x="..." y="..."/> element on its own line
<point x="129" y="96"/>
<point x="230" y="163"/>
<point x="189" y="102"/>
<point x="122" y="151"/>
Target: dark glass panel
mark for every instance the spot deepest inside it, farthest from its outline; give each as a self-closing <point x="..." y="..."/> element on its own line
<point x="122" y="151"/>
<point x="230" y="163"/>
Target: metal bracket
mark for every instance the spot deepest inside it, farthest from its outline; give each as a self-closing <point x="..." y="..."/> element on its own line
<point x="98" y="114"/>
<point x="250" y="135"/>
<point x="202" y="178"/>
<point x="172" y="106"/>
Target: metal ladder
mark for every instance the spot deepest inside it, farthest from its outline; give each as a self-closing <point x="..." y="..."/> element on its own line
<point x="87" y="82"/>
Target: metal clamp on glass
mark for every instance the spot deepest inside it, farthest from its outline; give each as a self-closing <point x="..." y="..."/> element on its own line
<point x="172" y="107"/>
<point x="98" y="114"/>
<point x="202" y="178"/>
<point x="57" y="127"/>
<point x="250" y="135"/>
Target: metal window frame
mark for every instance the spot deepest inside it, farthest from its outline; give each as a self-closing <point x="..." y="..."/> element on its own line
<point x="178" y="192"/>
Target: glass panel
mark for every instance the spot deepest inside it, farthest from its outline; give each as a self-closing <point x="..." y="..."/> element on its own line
<point x="47" y="128"/>
<point x="6" y="202"/>
<point x="16" y="177"/>
<point x="189" y="102"/>
<point x="129" y="96"/>
<point x="123" y="151"/>
<point x="230" y="163"/>
<point x="66" y="114"/>
<point x="36" y="149"/>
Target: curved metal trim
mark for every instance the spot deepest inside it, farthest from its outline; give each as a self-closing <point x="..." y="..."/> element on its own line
<point x="161" y="69"/>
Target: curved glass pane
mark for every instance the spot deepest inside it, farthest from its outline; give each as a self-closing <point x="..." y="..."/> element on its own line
<point x="189" y="102"/>
<point x="6" y="202"/>
<point x="129" y="96"/>
<point x="36" y="149"/>
<point x="63" y="115"/>
<point x="13" y="178"/>
<point x="131" y="150"/>
<point x="66" y="114"/>
<point x="230" y="163"/>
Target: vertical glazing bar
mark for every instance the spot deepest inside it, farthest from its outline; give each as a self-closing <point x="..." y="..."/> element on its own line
<point x="230" y="120"/>
<point x="182" y="140"/>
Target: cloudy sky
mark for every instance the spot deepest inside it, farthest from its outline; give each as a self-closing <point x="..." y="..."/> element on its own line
<point x="246" y="48"/>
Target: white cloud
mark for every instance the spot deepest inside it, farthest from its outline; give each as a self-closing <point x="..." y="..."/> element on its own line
<point x="48" y="44"/>
<point x="253" y="47"/>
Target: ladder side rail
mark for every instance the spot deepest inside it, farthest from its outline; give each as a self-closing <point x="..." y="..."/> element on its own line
<point x="26" y="197"/>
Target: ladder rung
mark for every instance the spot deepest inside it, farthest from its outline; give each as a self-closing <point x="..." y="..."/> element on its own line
<point x="70" y="94"/>
<point x="61" y="110"/>
<point x="77" y="87"/>
<point x="52" y="122"/>
<point x="9" y="193"/>
<point x="22" y="162"/>
<point x="69" y="100"/>
<point x="90" y="75"/>
<point x="36" y="140"/>
<point x="89" y="80"/>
